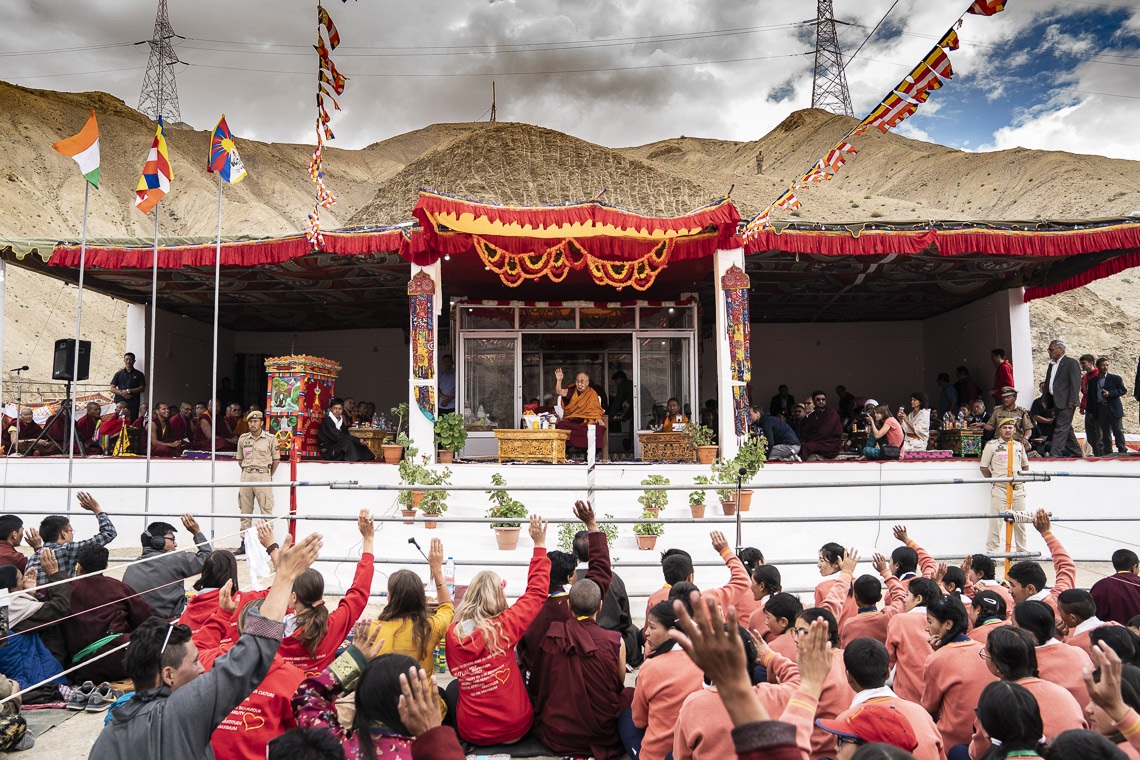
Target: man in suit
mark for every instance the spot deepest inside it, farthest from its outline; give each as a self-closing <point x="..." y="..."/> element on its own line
<point x="1063" y="389"/>
<point x="782" y="403"/>
<point x="1110" y="411"/>
<point x="1088" y="406"/>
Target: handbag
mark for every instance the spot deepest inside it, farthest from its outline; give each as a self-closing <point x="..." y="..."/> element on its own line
<point x="890" y="452"/>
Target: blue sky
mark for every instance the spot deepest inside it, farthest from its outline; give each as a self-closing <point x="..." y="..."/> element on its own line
<point x="613" y="73"/>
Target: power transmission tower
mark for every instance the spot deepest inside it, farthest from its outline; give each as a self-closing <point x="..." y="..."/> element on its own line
<point x="159" y="96"/>
<point x="829" y="87"/>
<point x="493" y="115"/>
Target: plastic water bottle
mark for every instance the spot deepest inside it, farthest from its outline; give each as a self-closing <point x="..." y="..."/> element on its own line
<point x="961" y="420"/>
<point x="449" y="575"/>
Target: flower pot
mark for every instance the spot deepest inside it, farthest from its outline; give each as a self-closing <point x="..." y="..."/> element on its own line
<point x="698" y="510"/>
<point x="646" y="542"/>
<point x="729" y="507"/>
<point x="392" y="453"/>
<point x="431" y="524"/>
<point x="706" y="454"/>
<point x="745" y="500"/>
<point x="409" y="513"/>
<point x="445" y="456"/>
<point x="507" y="538"/>
<point x="417" y="497"/>
<point x="655" y="511"/>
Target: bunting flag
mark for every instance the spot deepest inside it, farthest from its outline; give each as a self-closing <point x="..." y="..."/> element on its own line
<point x="326" y="21"/>
<point x="327" y="74"/>
<point x="224" y="158"/>
<point x="84" y="148"/>
<point x="154" y="183"/>
<point x="929" y="75"/>
<point x="336" y="82"/>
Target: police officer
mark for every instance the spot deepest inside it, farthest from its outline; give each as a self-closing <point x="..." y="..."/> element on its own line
<point x="258" y="456"/>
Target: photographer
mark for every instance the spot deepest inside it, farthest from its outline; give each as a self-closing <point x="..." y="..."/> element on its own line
<point x="885" y="435"/>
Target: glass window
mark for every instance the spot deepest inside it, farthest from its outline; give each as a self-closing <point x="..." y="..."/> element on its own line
<point x="489" y="382"/>
<point x="547" y="319"/>
<point x="488" y="317"/>
<point x="605" y="319"/>
<point x="666" y="317"/>
<point x="664" y="375"/>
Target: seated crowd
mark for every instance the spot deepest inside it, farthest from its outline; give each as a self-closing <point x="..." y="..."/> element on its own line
<point x="921" y="659"/>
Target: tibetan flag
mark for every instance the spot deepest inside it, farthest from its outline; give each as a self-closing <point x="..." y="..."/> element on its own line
<point x="330" y="27"/>
<point x="987" y="7"/>
<point x="925" y="80"/>
<point x="84" y="148"/>
<point x="156" y="174"/>
<point x="224" y="158"/>
<point x="950" y="41"/>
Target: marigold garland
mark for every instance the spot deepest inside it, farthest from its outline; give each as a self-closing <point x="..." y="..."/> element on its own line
<point x="557" y="261"/>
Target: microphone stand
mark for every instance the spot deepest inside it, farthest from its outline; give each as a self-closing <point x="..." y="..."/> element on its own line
<point x="739" y="535"/>
<point x="19" y="406"/>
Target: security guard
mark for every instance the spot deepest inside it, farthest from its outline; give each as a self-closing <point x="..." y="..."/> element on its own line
<point x="258" y="456"/>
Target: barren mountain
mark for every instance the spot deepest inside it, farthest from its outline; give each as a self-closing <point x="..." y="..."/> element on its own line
<point x="892" y="178"/>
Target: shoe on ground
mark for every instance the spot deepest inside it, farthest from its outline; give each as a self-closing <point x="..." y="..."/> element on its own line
<point x="27" y="741"/>
<point x="102" y="698"/>
<point x="80" y="695"/>
<point x="239" y="551"/>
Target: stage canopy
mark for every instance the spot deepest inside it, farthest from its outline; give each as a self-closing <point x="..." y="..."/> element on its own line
<point x="800" y="272"/>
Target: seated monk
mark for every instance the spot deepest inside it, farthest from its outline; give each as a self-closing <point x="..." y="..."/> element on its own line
<point x="231" y="427"/>
<point x="673" y="416"/>
<point x="581" y="406"/>
<point x="183" y="421"/>
<point x="202" y="430"/>
<point x="57" y="435"/>
<point x="87" y="429"/>
<point x="29" y="431"/>
<point x="164" y="439"/>
<point x="114" y="422"/>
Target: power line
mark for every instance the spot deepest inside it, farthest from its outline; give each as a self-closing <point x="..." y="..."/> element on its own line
<point x="66" y="50"/>
<point x="74" y="73"/>
<point x="871" y="33"/>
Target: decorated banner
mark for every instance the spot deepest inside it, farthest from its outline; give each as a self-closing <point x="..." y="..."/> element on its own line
<point x="556" y="262"/>
<point x="421" y="309"/>
<point x="327" y="76"/>
<point x="735" y="285"/>
<point x="297" y="394"/>
<point x="224" y="158"/>
<point x="903" y="101"/>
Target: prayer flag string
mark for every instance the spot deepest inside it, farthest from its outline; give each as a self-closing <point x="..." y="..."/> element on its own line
<point x="327" y="77"/>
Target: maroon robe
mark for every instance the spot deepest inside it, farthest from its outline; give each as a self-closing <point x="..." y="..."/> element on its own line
<point x="198" y="439"/>
<point x="1117" y="597"/>
<point x="226" y="430"/>
<point x="102" y="606"/>
<point x="164" y="435"/>
<point x="181" y="427"/>
<point x="88" y="429"/>
<point x="821" y="433"/>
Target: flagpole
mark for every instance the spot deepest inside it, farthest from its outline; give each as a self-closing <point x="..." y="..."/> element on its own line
<point x="214" y="367"/>
<point x="151" y="367"/>
<point x="78" y="327"/>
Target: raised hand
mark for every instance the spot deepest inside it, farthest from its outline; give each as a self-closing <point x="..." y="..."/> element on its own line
<point x="558" y="374"/>
<point x="901" y="534"/>
<point x="28" y="580"/>
<point x="48" y="562"/>
<point x="191" y="524"/>
<point x="537" y="530"/>
<point x="940" y="573"/>
<point x="585" y="513"/>
<point x="879" y="562"/>
<point x="265" y="533"/>
<point x="366" y="640"/>
<point x="88" y="502"/>
<point x="719" y="542"/>
<point x="419" y="704"/>
<point x="1107" y="693"/>
<point x="365" y="524"/>
<point x="32" y="538"/>
<point x="294" y="560"/>
<point x="1041" y="521"/>
<point x="435" y="554"/>
<point x="814" y="658"/>
<point x="762" y="648"/>
<point x="226" y="601"/>
<point x="849" y="561"/>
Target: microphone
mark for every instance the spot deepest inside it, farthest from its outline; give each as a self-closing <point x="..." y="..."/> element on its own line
<point x="20" y="369"/>
<point x="415" y="543"/>
<point x="743" y="472"/>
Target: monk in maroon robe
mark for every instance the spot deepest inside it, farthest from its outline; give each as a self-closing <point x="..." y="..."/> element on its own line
<point x="230" y="428"/>
<point x="87" y="429"/>
<point x="164" y="441"/>
<point x="581" y="407"/>
<point x="821" y="433"/>
<point x="29" y="431"/>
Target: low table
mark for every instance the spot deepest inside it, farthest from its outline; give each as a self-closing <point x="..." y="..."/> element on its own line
<point x="964" y="443"/>
<point x="665" y="447"/>
<point x="532" y="445"/>
<point x="373" y="438"/>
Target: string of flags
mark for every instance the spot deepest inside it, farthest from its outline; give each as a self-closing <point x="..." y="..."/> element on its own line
<point x="330" y="83"/>
<point x="904" y="99"/>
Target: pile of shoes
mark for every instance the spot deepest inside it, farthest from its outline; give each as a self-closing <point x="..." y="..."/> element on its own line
<point x="91" y="698"/>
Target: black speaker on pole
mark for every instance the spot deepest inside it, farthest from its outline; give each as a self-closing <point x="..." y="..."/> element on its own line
<point x="65" y="360"/>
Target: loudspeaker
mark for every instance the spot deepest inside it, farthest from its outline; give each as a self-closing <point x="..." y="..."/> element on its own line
<point x="65" y="359"/>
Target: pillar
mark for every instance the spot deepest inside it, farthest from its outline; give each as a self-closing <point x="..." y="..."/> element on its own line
<point x="1020" y="351"/>
<point x="3" y="289"/>
<point x="421" y="429"/>
<point x="726" y="430"/>
<point x="137" y="336"/>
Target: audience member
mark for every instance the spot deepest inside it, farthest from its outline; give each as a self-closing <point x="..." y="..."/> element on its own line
<point x="1001" y="457"/>
<point x="821" y="433"/>
<point x="703" y="728"/>
<point x="406" y="627"/>
<point x="783" y="443"/>
<point x="765" y="583"/>
<point x="989" y="610"/>
<point x="884" y="434"/>
<point x="615" y="614"/>
<point x="1114" y="709"/>
<point x="1058" y="662"/>
<point x="830" y="556"/>
<point x="218" y="569"/>
<point x="782" y="403"/>
<point x="87" y="429"/>
<point x="1117" y="596"/>
<point x="1041" y="415"/>
<point x="164" y="439"/>
<point x="1026" y="578"/>
<point x="981" y="575"/>
<point x="335" y="442"/>
<point x="161" y="577"/>
<point x="1009" y="722"/>
<point x="26" y="657"/>
<point x="1003" y="373"/>
<point x="869" y="621"/>
<point x="916" y="423"/>
<point x="57" y="534"/>
<point x="908" y="641"/>
<point x="11" y="536"/>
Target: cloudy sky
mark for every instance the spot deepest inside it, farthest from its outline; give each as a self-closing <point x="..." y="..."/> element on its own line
<point x="1055" y="74"/>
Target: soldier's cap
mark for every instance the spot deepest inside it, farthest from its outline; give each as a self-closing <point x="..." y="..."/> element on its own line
<point x="1009" y="390"/>
<point x="1011" y="421"/>
<point x="254" y="415"/>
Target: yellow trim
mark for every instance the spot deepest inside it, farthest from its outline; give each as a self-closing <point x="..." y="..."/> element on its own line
<point x="472" y="225"/>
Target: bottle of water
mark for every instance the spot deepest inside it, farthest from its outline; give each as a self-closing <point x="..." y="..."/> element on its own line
<point x="961" y="420"/>
<point x="376" y="420"/>
<point x="449" y="575"/>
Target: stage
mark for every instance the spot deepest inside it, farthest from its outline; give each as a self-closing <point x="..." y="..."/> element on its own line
<point x="788" y="524"/>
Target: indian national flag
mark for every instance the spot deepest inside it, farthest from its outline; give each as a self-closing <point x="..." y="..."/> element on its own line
<point x="84" y="148"/>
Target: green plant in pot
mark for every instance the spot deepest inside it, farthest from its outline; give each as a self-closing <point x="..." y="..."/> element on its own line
<point x="566" y="533"/>
<point x="450" y="436"/>
<point x="647" y="532"/>
<point x="503" y="506"/>
<point x="654" y="501"/>
<point x="697" y="497"/>
<point x="393" y="452"/>
<point x="702" y="440"/>
<point x="750" y="458"/>
<point x="414" y="471"/>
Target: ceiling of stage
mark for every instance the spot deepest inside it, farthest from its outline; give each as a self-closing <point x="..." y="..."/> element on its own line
<point x="798" y="273"/>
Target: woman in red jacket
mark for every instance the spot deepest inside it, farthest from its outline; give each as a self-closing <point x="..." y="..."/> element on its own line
<point x="319" y="633"/>
<point x="488" y="696"/>
<point x="220" y="567"/>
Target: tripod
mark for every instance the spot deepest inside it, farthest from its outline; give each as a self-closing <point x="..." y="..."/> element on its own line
<point x="15" y="442"/>
<point x="65" y="410"/>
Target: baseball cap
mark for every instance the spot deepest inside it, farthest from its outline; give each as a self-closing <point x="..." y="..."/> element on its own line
<point x="874" y="722"/>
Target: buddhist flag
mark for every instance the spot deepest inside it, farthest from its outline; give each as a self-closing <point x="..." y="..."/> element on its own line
<point x="987" y="7"/>
<point x="788" y="201"/>
<point x="84" y="148"/>
<point x="154" y="183"/>
<point x="224" y="158"/>
<point x="330" y="27"/>
<point x="950" y="41"/>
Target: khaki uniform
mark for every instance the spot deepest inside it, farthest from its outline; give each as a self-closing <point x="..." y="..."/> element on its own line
<point x="256" y="457"/>
<point x="1021" y="431"/>
<point x="995" y="457"/>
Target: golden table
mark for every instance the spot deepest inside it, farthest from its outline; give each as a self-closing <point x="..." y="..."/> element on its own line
<point x="532" y="445"/>
<point x="666" y="447"/>
<point x="373" y="438"/>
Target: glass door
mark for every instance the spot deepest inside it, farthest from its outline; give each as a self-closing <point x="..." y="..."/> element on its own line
<point x="666" y="368"/>
<point x="490" y="395"/>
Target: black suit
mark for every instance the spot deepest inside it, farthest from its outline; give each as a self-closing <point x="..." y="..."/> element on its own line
<point x="1064" y="399"/>
<point x="339" y="445"/>
<point x="1109" y="421"/>
<point x="781" y="406"/>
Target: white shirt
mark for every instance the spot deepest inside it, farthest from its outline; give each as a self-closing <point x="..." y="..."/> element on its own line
<point x="336" y="421"/>
<point x="1088" y="625"/>
<point x="866" y="694"/>
<point x="1040" y="596"/>
<point x="1053" y="374"/>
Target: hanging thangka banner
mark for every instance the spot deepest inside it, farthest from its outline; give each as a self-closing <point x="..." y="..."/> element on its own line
<point x="735" y="284"/>
<point x="421" y="309"/>
<point x="330" y="82"/>
<point x="903" y="101"/>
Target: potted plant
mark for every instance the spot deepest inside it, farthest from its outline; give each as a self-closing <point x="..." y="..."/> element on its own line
<point x="502" y="505"/>
<point x="450" y="436"/>
<point x="393" y="452"/>
<point x="750" y="458"/>
<point x="697" y="498"/>
<point x="701" y="438"/>
<point x="566" y="532"/>
<point x="654" y="501"/>
<point x="414" y="471"/>
<point x="647" y="532"/>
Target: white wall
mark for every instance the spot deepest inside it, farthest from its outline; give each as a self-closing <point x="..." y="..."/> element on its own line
<point x="965" y="336"/>
<point x="183" y="348"/>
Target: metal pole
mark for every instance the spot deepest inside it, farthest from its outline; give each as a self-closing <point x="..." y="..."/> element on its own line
<point x="214" y="353"/>
<point x="739" y="535"/>
<point x="78" y="328"/>
<point x="150" y="367"/>
<point x="293" y="486"/>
